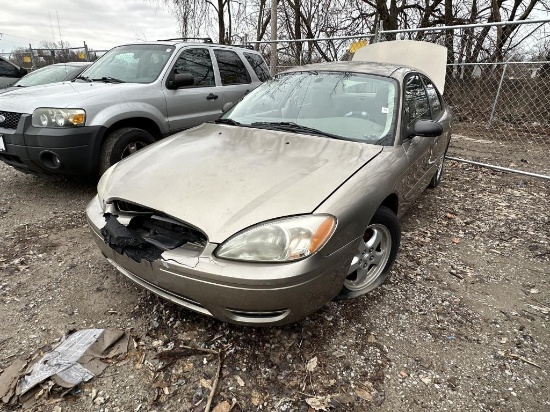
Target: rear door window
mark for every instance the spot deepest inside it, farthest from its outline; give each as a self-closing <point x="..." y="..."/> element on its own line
<point x="433" y="97"/>
<point x="232" y="68"/>
<point x="258" y="65"/>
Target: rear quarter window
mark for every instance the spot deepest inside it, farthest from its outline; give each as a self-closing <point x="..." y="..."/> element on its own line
<point x="258" y="65"/>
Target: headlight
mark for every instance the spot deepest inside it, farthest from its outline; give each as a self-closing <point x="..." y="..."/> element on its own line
<point x="102" y="185"/>
<point x="279" y="240"/>
<point x="51" y="117"/>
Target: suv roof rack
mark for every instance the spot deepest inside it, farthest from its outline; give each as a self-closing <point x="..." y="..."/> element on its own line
<point x="204" y="39"/>
<point x="244" y="46"/>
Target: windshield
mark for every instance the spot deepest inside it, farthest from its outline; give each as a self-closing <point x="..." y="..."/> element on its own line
<point x="49" y="74"/>
<point x="136" y="63"/>
<point x="350" y="106"/>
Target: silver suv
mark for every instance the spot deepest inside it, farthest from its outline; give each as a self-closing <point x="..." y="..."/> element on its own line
<point x="132" y="96"/>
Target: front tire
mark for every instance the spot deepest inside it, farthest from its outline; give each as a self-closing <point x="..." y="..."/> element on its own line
<point x="377" y="251"/>
<point x="122" y="143"/>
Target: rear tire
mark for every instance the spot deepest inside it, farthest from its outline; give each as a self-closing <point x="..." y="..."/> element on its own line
<point x="122" y="143"/>
<point x="375" y="256"/>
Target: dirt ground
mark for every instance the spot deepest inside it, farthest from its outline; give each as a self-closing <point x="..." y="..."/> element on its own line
<point x="461" y="325"/>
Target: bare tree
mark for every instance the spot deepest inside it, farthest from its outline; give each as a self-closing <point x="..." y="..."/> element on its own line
<point x="194" y="17"/>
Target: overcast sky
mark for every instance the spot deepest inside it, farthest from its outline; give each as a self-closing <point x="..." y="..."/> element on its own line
<point x="102" y="24"/>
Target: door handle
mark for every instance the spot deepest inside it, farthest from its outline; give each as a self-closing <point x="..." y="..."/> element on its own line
<point x="212" y="96"/>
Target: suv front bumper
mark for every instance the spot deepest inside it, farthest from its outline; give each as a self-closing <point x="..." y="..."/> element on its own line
<point x="50" y="151"/>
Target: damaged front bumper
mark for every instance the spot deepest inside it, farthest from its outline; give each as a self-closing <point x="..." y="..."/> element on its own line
<point x="244" y="293"/>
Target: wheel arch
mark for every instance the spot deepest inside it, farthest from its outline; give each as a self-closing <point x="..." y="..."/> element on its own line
<point x="392" y="203"/>
<point x="140" y="122"/>
<point x="149" y="125"/>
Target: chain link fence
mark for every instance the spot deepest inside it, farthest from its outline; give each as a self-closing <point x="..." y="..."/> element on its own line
<point x="498" y="85"/>
<point x="35" y="58"/>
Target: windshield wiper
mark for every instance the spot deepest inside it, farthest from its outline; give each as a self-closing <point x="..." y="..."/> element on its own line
<point x="85" y="78"/>
<point x="109" y="80"/>
<point x="294" y="127"/>
<point x="227" y="121"/>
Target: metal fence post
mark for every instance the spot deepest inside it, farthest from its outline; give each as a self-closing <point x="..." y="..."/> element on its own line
<point x="32" y="57"/>
<point x="490" y="123"/>
<point x="377" y="33"/>
<point x="273" y="57"/>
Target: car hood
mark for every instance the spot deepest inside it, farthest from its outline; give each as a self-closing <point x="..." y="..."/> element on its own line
<point x="428" y="57"/>
<point x="223" y="179"/>
<point x="8" y="89"/>
<point x="63" y="95"/>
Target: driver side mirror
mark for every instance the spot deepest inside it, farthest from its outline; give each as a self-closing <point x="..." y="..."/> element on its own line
<point x="180" y="80"/>
<point x="22" y="71"/>
<point x="426" y="128"/>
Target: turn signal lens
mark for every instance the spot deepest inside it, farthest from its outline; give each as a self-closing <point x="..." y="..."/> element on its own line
<point x="322" y="234"/>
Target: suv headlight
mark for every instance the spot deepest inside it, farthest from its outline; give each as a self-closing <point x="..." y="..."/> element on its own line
<point x="279" y="240"/>
<point x="52" y="117"/>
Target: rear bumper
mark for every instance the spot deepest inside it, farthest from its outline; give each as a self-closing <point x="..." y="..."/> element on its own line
<point x="48" y="151"/>
<point x="237" y="292"/>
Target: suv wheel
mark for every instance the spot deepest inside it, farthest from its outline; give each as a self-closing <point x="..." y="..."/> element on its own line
<point x="122" y="143"/>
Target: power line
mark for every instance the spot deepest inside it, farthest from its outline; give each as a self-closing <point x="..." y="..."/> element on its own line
<point x="19" y="37"/>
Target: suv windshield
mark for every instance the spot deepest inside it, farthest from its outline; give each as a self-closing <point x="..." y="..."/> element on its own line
<point x="350" y="106"/>
<point x="136" y="63"/>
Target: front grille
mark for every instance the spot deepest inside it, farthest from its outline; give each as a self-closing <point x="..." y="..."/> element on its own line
<point x="128" y="207"/>
<point x="159" y="229"/>
<point x="258" y="314"/>
<point x="11" y="120"/>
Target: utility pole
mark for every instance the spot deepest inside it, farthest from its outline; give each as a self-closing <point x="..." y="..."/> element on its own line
<point x="273" y="59"/>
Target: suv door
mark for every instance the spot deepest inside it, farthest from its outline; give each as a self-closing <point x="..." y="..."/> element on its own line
<point x="201" y="102"/>
<point x="234" y="76"/>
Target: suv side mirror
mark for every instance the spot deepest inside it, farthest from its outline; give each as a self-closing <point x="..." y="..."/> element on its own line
<point x="180" y="80"/>
<point x="426" y="128"/>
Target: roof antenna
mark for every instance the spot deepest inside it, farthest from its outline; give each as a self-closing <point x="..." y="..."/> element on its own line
<point x="59" y="27"/>
<point x="51" y="25"/>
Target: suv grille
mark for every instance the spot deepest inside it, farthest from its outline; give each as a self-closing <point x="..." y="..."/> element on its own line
<point x="11" y="120"/>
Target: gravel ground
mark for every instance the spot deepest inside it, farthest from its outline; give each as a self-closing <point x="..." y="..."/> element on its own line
<point x="461" y="325"/>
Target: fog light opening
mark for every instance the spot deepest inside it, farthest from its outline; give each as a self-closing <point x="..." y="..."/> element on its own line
<point x="50" y="160"/>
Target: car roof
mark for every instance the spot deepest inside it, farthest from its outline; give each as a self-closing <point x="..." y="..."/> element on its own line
<point x="175" y="42"/>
